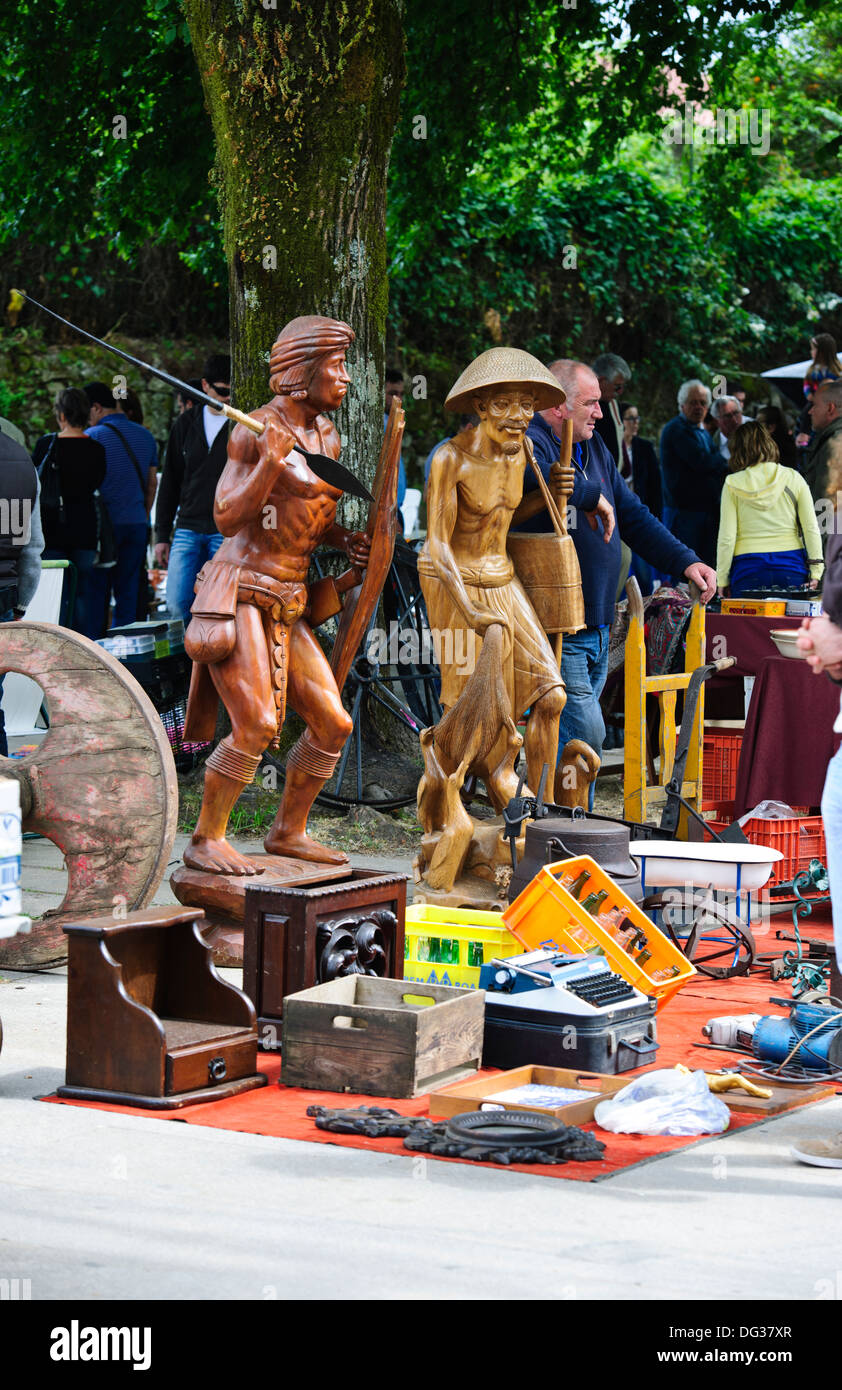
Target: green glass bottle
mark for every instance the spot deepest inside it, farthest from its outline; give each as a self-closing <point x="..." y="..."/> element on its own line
<point x="577" y="885"/>
<point x="593" y="902"/>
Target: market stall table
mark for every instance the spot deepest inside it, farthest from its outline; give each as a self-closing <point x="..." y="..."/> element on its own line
<point x="789" y="738"/>
<point x="747" y="640"/>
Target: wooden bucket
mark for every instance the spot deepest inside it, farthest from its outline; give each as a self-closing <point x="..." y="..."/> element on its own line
<point x="548" y="568"/>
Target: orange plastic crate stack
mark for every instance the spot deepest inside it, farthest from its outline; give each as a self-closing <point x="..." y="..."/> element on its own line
<point x="799" y="839"/>
<point x="720" y="756"/>
<point x="546" y="917"/>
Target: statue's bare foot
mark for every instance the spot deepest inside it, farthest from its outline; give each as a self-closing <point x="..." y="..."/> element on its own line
<point x="217" y="857"/>
<point x="299" y="846"/>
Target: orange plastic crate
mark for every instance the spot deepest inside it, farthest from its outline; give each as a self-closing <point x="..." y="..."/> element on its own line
<point x="799" y="839"/>
<point x="720" y="756"/>
<point x="546" y="916"/>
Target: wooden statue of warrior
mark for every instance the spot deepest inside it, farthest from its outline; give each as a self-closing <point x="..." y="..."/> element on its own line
<point x="248" y="636"/>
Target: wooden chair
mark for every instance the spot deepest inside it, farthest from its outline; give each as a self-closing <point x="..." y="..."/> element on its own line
<point x="639" y="794"/>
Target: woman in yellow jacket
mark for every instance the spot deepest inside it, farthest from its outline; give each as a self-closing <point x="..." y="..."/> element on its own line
<point x="768" y="533"/>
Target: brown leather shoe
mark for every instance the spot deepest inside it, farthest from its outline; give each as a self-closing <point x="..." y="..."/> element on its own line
<point x="821" y="1153"/>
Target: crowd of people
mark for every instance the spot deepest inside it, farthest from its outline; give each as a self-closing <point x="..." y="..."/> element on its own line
<point x="730" y="502"/>
<point x="96" y="481"/>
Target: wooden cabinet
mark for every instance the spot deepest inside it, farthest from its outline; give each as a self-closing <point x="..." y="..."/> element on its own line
<point x="298" y="937"/>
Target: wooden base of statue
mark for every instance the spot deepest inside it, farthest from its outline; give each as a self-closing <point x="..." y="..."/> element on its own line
<point x="222" y="897"/>
<point x="475" y="894"/>
<point x="149" y="1021"/>
<point x="482" y="876"/>
<point x="298" y="937"/>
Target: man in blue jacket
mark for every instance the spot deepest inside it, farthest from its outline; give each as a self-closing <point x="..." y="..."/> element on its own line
<point x="599" y="495"/>
<point x="129" y="488"/>
<point x="693" y="471"/>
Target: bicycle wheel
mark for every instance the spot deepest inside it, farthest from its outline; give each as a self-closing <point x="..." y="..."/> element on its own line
<point x="713" y="941"/>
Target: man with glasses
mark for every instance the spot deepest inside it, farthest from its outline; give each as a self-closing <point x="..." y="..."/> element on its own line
<point x="197" y="452"/>
<point x="613" y="374"/>
<point x="692" y="473"/>
<point x="728" y="414"/>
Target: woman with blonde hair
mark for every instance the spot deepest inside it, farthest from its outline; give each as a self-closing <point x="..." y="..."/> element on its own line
<point x="768" y="533"/>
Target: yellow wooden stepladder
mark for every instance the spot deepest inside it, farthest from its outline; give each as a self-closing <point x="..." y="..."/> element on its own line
<point x="638" y="794"/>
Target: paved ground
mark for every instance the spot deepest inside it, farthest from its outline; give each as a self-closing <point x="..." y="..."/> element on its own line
<point x="103" y="1205"/>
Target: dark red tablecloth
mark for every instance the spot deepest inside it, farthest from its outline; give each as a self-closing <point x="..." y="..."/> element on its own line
<point x="747" y="639"/>
<point x="789" y="738"/>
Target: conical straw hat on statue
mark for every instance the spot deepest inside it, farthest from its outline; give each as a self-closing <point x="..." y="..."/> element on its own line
<point x="500" y="366"/>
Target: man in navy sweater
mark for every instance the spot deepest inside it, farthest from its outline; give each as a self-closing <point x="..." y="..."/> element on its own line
<point x="599" y="495"/>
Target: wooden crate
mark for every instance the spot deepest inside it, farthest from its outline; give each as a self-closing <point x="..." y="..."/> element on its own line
<point x="285" y="929"/>
<point x="381" y="1037"/>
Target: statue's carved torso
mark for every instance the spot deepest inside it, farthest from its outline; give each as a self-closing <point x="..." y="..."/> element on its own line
<point x="297" y="512"/>
<point x="487" y="497"/>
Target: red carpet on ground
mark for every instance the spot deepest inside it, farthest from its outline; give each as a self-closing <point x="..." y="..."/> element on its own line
<point x="280" y="1113"/>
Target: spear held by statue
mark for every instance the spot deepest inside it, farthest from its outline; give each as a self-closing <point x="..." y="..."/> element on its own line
<point x="329" y="470"/>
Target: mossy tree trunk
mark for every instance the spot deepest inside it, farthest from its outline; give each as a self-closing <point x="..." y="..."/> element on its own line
<point x="304" y="100"/>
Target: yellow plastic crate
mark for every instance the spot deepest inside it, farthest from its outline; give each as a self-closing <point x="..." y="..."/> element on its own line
<point x="546" y="916"/>
<point x="753" y="607"/>
<point x="428" y="926"/>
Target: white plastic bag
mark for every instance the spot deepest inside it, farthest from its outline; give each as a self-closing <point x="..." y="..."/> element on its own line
<point x="768" y="810"/>
<point x="664" y="1102"/>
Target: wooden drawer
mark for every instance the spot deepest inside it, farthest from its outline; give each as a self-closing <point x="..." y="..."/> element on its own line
<point x="209" y="1061"/>
<point x="147" y="1014"/>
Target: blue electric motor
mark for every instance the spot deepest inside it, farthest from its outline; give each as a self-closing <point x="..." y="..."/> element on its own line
<point x="775" y="1037"/>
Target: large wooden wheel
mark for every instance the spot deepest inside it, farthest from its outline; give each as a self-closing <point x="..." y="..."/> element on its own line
<point x="102" y="785"/>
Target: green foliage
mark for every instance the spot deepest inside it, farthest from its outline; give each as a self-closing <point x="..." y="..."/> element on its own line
<point x="653" y="280"/>
<point x="79" y="205"/>
<point x="799" y="83"/>
<point x="544" y="124"/>
<point x="702" y="261"/>
<point x="547" y="84"/>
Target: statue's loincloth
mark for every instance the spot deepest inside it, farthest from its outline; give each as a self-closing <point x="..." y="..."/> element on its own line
<point x="221" y="587"/>
<point x="529" y="668"/>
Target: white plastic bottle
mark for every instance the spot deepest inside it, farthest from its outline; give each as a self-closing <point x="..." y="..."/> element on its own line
<point x="11" y="844"/>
